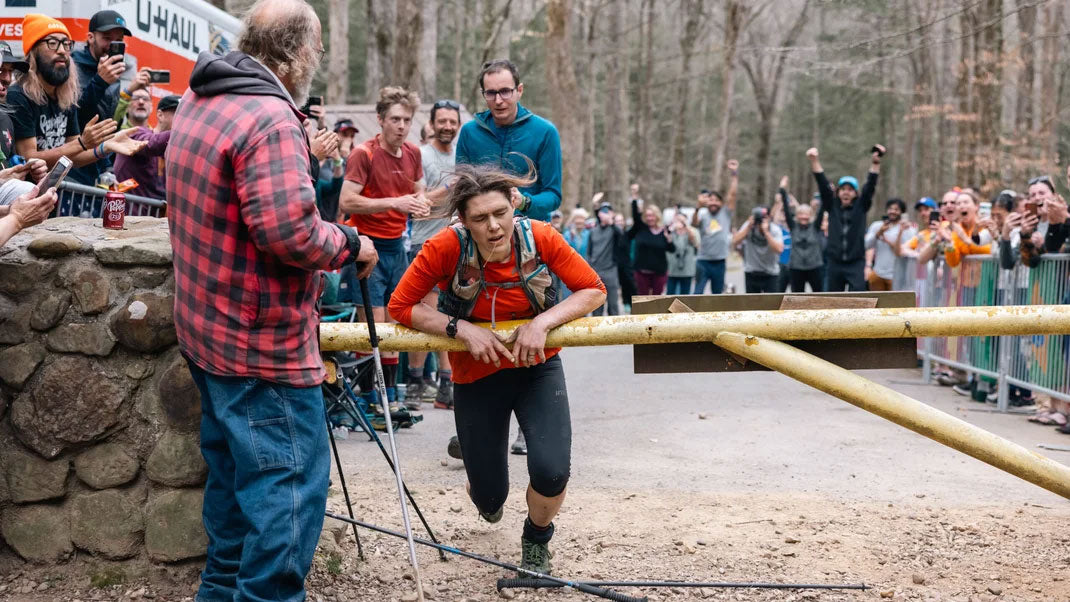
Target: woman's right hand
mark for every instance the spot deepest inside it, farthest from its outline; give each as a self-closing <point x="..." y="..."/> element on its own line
<point x="483" y="344"/>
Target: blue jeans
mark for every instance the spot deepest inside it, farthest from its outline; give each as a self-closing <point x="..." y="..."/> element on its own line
<point x="268" y="469"/>
<point x="712" y="271"/>
<point x="393" y="261"/>
<point x="678" y="286"/>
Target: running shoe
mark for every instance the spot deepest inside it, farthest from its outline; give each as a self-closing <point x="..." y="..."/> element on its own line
<point x="520" y="446"/>
<point x="963" y="390"/>
<point x="494" y="517"/>
<point x="454" y="448"/>
<point x="444" y="397"/>
<point x="429" y="392"/>
<point x="535" y="557"/>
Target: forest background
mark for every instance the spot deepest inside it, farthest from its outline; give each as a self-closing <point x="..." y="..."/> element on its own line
<point x="663" y="92"/>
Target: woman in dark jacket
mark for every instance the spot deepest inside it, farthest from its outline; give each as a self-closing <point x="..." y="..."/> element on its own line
<point x="652" y="241"/>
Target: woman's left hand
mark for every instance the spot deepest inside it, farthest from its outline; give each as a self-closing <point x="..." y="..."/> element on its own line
<point x="529" y="343"/>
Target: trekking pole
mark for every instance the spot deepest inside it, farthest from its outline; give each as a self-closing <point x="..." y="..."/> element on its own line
<point x="541" y="583"/>
<point x="345" y="490"/>
<point x="381" y="382"/>
<point x="583" y="587"/>
<point x="362" y="420"/>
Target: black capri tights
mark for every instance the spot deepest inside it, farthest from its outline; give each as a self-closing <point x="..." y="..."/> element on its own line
<point x="481" y="409"/>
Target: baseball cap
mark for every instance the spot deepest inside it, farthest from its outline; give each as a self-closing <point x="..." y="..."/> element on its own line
<point x="36" y="26"/>
<point x="604" y="206"/>
<point x="345" y="124"/>
<point x="107" y="20"/>
<point x="849" y="181"/>
<point x="925" y="202"/>
<point x="11" y="59"/>
<point x="169" y="103"/>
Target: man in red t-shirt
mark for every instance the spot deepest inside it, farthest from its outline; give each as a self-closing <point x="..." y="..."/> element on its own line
<point x="384" y="185"/>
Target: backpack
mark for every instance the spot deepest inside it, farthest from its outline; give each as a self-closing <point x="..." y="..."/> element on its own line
<point x="469" y="281"/>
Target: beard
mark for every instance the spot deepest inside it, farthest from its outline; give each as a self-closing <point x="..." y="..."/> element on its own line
<point x="446" y="137"/>
<point x="53" y="76"/>
<point x="301" y="77"/>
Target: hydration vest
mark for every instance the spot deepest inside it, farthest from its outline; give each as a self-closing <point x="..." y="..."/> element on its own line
<point x="469" y="280"/>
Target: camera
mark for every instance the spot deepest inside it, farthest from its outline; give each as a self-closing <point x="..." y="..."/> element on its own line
<point x="758" y="214"/>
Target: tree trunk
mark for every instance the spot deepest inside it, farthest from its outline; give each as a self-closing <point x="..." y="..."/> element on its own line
<point x="409" y="30"/>
<point x="645" y="124"/>
<point x="1049" y="114"/>
<point x="735" y="14"/>
<point x="990" y="98"/>
<point x="616" y="112"/>
<point x="428" y="87"/>
<point x="379" y="66"/>
<point x="460" y="16"/>
<point x="561" y="75"/>
<point x="692" y="18"/>
<point x="1023" y="119"/>
<point x="964" y="164"/>
<point x="338" y="47"/>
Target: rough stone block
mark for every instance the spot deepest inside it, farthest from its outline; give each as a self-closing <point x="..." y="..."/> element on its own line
<point x="50" y="310"/>
<point x="31" y="479"/>
<point x="176" y="461"/>
<point x="146" y="323"/>
<point x="148" y="277"/>
<point x="173" y="527"/>
<point x="39" y="533"/>
<point x="18" y="276"/>
<point x="150" y="251"/>
<point x="106" y="465"/>
<point x="18" y="363"/>
<point x="91" y="290"/>
<point x="87" y="339"/>
<point x="179" y="397"/>
<point x="14" y="329"/>
<point x="73" y="401"/>
<point x="108" y="523"/>
<point x="54" y="245"/>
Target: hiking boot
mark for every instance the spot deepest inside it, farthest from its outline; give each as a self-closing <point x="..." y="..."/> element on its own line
<point x="520" y="446"/>
<point x="444" y="397"/>
<point x="535" y="556"/>
<point x="454" y="448"/>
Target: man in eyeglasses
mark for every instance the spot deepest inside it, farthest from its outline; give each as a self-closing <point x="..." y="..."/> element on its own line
<point x="439" y="157"/>
<point x="507" y="133"/>
<point x="43" y="105"/>
<point x="9" y="69"/>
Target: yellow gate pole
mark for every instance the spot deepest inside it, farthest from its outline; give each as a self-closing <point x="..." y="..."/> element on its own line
<point x="785" y="325"/>
<point x="902" y="410"/>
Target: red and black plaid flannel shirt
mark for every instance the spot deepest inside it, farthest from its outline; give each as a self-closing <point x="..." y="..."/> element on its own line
<point x="248" y="240"/>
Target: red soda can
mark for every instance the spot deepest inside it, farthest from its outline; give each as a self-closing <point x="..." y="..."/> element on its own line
<point x="114" y="210"/>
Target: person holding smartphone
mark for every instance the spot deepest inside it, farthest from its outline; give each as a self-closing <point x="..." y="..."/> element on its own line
<point x="27" y="210"/>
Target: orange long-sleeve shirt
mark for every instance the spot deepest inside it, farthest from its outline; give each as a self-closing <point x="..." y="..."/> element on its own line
<point x="437" y="262"/>
<point x="960" y="249"/>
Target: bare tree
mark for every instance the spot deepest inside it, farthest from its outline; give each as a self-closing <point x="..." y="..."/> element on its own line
<point x="338" y="44"/>
<point x="616" y="113"/>
<point x="408" y="33"/>
<point x="379" y="50"/>
<point x="644" y="124"/>
<point x="428" y="85"/>
<point x="561" y="75"/>
<point x="735" y="18"/>
<point x="693" y="13"/>
<point x="766" y="75"/>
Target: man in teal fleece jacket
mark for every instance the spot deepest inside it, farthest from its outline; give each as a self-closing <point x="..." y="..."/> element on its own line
<point x="507" y="133"/>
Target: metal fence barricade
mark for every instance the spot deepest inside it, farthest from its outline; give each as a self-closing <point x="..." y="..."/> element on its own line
<point x="1037" y="363"/>
<point x="78" y="200"/>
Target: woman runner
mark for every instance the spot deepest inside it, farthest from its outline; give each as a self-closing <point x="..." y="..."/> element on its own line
<point x="484" y="284"/>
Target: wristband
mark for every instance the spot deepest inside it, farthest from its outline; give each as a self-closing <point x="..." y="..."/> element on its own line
<point x="81" y="144"/>
<point x="98" y="151"/>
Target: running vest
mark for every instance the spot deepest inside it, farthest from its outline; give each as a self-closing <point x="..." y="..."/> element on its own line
<point x="469" y="281"/>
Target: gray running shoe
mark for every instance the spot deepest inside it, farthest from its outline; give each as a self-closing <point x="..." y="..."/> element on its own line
<point x="429" y="392"/>
<point x="535" y="557"/>
<point x="444" y="397"/>
<point x="520" y="446"/>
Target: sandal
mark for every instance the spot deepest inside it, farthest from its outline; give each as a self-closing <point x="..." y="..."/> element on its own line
<point x="1059" y="418"/>
<point x="1043" y="418"/>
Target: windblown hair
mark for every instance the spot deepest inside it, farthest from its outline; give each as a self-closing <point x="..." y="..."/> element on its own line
<point x="283" y="41"/>
<point x="394" y="95"/>
<point x="33" y="85"/>
<point x="474" y="180"/>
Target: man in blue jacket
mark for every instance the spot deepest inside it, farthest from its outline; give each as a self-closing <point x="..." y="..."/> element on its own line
<point x="507" y="133"/>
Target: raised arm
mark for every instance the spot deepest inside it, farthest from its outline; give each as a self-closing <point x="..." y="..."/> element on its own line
<point x="733" y="185"/>
<point x="870" y="187"/>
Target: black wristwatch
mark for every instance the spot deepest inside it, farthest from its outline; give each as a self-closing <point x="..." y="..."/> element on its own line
<point x="451" y="327"/>
<point x="352" y="240"/>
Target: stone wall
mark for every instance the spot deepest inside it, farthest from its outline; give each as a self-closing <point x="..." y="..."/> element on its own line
<point x="98" y="412"/>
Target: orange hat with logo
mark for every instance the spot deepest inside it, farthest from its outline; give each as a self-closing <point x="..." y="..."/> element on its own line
<point x="36" y="26"/>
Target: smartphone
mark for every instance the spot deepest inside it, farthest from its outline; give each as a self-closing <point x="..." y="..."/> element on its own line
<point x="159" y="76"/>
<point x="116" y="48"/>
<point x="984" y="210"/>
<point x="1032" y="208"/>
<point x="884" y="217"/>
<point x="54" y="177"/>
<point x="315" y="100"/>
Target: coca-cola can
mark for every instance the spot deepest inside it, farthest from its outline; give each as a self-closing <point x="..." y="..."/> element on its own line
<point x="114" y="210"/>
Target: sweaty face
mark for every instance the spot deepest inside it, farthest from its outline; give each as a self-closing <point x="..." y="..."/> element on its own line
<point x="489" y="217"/>
<point x="447" y="122"/>
<point x="395" y="124"/>
<point x="503" y="110"/>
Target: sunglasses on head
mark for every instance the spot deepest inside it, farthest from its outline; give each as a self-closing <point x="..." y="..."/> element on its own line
<point x="1040" y="180"/>
<point x="446" y="104"/>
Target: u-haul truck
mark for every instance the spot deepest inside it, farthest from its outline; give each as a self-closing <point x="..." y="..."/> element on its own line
<point x="167" y="34"/>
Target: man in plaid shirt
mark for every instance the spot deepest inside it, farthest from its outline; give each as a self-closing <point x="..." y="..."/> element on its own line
<point x="248" y="246"/>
